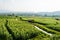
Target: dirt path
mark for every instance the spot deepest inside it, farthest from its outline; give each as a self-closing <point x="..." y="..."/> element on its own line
<point x="43" y="31"/>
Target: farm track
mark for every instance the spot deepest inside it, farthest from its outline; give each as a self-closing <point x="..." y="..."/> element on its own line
<point x="43" y="31"/>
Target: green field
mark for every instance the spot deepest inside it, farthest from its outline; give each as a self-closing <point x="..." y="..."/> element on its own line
<point x="23" y="28"/>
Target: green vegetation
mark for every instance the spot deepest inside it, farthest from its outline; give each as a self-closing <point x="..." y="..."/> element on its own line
<point x="22" y="28"/>
<point x="47" y="29"/>
<point x="4" y="34"/>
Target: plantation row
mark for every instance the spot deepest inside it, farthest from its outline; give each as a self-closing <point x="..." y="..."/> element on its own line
<point x="47" y="29"/>
<point x="50" y="23"/>
<point x="4" y="34"/>
<point x="15" y="29"/>
<point x="23" y="30"/>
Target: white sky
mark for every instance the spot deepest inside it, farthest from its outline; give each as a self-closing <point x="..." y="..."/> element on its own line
<point x="30" y="5"/>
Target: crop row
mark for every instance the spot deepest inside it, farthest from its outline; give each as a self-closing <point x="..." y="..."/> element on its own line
<point x="4" y="34"/>
<point x="22" y="30"/>
<point x="47" y="29"/>
<point x="50" y="23"/>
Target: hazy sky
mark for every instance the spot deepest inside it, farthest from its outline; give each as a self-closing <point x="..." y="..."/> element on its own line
<point x="30" y="5"/>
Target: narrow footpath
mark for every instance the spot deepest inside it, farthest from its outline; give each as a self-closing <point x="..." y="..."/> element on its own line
<point x="43" y="31"/>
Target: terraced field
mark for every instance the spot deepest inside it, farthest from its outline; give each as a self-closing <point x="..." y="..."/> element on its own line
<point x="48" y="24"/>
<point x="17" y="28"/>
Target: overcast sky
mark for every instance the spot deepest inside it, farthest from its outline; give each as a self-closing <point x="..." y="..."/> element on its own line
<point x="30" y="5"/>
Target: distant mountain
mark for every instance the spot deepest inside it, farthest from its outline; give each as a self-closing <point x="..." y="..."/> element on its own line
<point x="55" y="13"/>
<point x="49" y="13"/>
